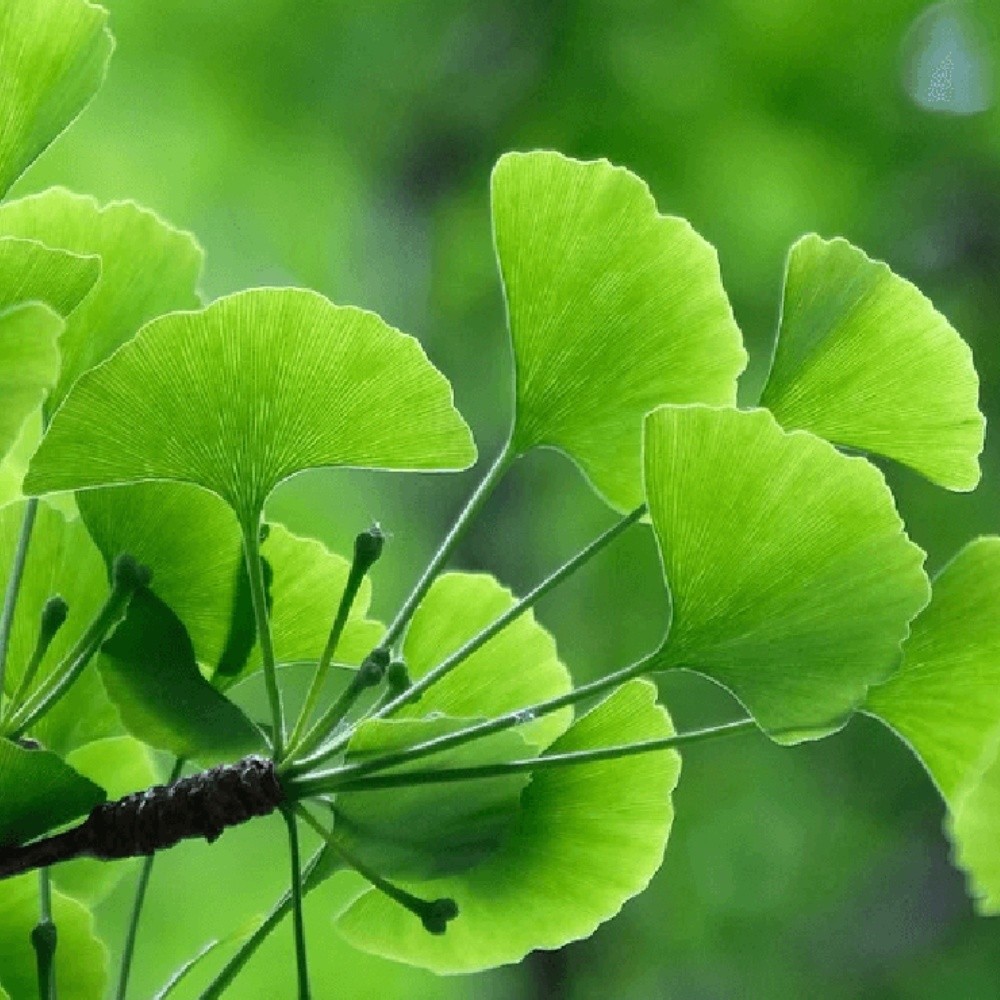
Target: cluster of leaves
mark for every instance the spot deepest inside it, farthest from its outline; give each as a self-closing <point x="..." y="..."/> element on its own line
<point x="792" y="582"/>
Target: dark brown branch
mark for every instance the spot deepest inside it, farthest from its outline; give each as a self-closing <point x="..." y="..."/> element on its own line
<point x="202" y="805"/>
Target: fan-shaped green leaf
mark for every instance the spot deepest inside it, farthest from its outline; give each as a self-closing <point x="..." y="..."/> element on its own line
<point x="791" y="579"/>
<point x="307" y="583"/>
<point x="863" y="359"/>
<point x="33" y="272"/>
<point x="243" y="394"/>
<point x="613" y="309"/>
<point x="120" y="765"/>
<point x="148" y="268"/>
<point x="588" y="838"/>
<point x="517" y="668"/>
<point x="150" y="673"/>
<point x="61" y="560"/>
<point x="188" y="538"/>
<point x="29" y="364"/>
<point x="54" y="55"/>
<point x="81" y="962"/>
<point x="39" y="792"/>
<point x="427" y="831"/>
<point x="944" y="701"/>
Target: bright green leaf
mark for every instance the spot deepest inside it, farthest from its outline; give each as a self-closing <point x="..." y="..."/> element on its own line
<point x="863" y="359"/>
<point x="188" y="538"/>
<point x="517" y="668"/>
<point x="29" y="364"/>
<point x="81" y="964"/>
<point x="120" y="765"/>
<point x="944" y="701"/>
<point x="33" y="272"/>
<point x="61" y="560"/>
<point x="249" y="391"/>
<point x="613" y="309"/>
<point x="306" y="587"/>
<point x="792" y="581"/>
<point x="147" y="268"/>
<point x="588" y="838"/>
<point x="54" y="55"/>
<point x="39" y="792"/>
<point x="150" y="673"/>
<point x="427" y="831"/>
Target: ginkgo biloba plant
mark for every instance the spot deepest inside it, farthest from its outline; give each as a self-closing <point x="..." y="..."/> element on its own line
<point x="493" y="806"/>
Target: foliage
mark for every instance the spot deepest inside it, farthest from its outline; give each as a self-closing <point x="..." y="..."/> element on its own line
<point x="440" y="756"/>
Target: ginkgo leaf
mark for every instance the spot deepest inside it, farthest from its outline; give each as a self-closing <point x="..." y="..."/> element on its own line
<point x="33" y="272"/>
<point x="29" y="364"/>
<point x="147" y="268"/>
<point x="587" y="838"/>
<point x="307" y="583"/>
<point x="190" y="541"/>
<point x="944" y="701"/>
<point x="81" y="960"/>
<point x="120" y="765"/>
<point x="61" y="560"/>
<point x="791" y="579"/>
<point x="863" y="359"/>
<point x="39" y="792"/>
<point x="245" y="393"/>
<point x="517" y="668"/>
<point x="613" y="309"/>
<point x="427" y="831"/>
<point x="150" y="673"/>
<point x="54" y="55"/>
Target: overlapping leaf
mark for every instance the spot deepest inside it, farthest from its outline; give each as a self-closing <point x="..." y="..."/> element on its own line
<point x="39" y="792"/>
<point x="61" y="560"/>
<point x="431" y="830"/>
<point x="148" y="268"/>
<point x="792" y="581"/>
<point x="247" y="392"/>
<point x="517" y="668"/>
<point x="613" y="309"/>
<point x="863" y="359"/>
<point x="81" y="960"/>
<point x="944" y="701"/>
<point x="54" y="55"/>
<point x="587" y="838"/>
<point x="149" y="671"/>
<point x="33" y="272"/>
<point x="29" y="364"/>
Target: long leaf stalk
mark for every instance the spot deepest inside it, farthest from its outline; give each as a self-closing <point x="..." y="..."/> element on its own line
<point x="367" y="549"/>
<point x="309" y="759"/>
<point x="258" y="597"/>
<point x="465" y="518"/>
<point x="13" y="588"/>
<point x="127" y="577"/>
<point x="142" y="886"/>
<point x="323" y="785"/>
<point x="301" y="959"/>
<point x="44" y="938"/>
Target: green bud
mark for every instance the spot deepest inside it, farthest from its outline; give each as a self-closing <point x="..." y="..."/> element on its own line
<point x="372" y="670"/>
<point x="130" y="574"/>
<point x="397" y="677"/>
<point x="54" y="616"/>
<point x="436" y="914"/>
<point x="368" y="547"/>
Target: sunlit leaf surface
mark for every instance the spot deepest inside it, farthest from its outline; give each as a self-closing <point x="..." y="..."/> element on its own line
<point x="587" y="838"/>
<point x="944" y="701"/>
<point x="147" y="268"/>
<point x="81" y="962"/>
<point x="54" y="55"/>
<point x="863" y="359"/>
<point x="791" y="579"/>
<point x="517" y="668"/>
<point x="613" y="309"/>
<point x="247" y="392"/>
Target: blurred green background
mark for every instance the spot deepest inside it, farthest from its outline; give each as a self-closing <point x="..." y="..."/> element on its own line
<point x="347" y="147"/>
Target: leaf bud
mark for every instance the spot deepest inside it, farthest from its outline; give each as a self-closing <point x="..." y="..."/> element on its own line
<point x="436" y="914"/>
<point x="130" y="574"/>
<point x="368" y="547"/>
<point x="54" y="615"/>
